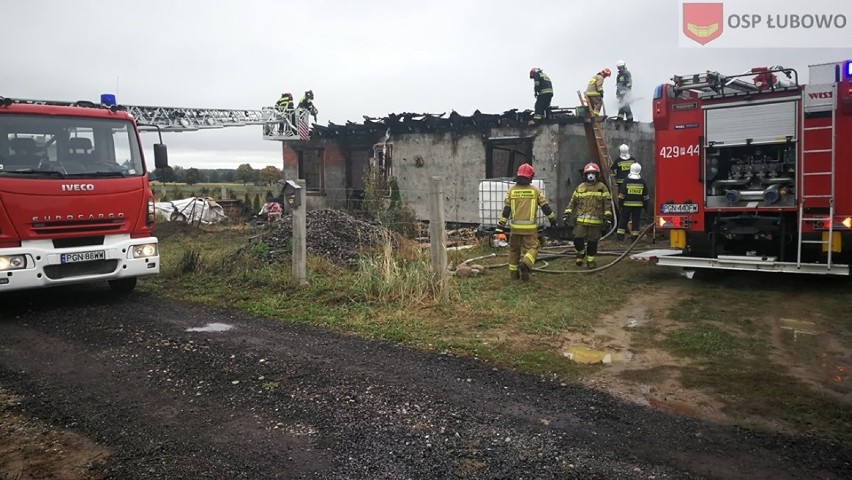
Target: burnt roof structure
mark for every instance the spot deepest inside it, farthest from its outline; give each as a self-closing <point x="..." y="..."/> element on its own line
<point x="439" y="123"/>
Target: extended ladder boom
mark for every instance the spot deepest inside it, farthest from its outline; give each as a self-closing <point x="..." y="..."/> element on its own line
<point x="292" y="125"/>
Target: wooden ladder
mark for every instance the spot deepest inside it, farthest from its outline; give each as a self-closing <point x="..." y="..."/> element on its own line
<point x="597" y="143"/>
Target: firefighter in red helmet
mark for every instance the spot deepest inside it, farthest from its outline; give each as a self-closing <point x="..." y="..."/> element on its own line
<point x="521" y="203"/>
<point x="591" y="203"/>
<point x="543" y="91"/>
<point x="595" y="91"/>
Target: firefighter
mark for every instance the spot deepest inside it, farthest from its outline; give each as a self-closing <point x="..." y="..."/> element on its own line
<point x="623" y="89"/>
<point x="633" y="197"/>
<point x="621" y="166"/>
<point x="284" y="106"/>
<point x="520" y="205"/>
<point x="307" y="103"/>
<point x="543" y="91"/>
<point x="595" y="91"/>
<point x="591" y="202"/>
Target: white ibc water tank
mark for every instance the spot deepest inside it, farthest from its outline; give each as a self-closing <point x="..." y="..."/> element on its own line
<point x="492" y="191"/>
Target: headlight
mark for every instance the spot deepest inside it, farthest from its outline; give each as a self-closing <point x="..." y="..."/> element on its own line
<point x="15" y="262"/>
<point x="146" y="250"/>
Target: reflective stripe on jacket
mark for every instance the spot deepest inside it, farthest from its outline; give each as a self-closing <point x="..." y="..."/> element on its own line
<point x="543" y="85"/>
<point x="623" y="82"/>
<point x="591" y="203"/>
<point x="284" y="103"/>
<point x="524" y="200"/>
<point x="595" y="87"/>
<point x="634" y="193"/>
<point x="622" y="168"/>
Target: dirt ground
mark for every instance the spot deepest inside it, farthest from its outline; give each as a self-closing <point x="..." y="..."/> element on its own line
<point x="92" y="388"/>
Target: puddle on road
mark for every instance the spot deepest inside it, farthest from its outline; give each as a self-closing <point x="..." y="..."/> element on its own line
<point x="211" y="327"/>
<point x="589" y="356"/>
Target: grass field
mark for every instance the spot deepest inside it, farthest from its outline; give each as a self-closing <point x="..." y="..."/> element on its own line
<point x="763" y="350"/>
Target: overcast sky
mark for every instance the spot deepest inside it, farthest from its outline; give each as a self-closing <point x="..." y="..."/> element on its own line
<point x="364" y="57"/>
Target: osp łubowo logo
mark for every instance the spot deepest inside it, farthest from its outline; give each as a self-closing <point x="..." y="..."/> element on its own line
<point x="703" y="22"/>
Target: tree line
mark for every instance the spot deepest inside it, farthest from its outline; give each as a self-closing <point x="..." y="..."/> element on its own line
<point x="244" y="174"/>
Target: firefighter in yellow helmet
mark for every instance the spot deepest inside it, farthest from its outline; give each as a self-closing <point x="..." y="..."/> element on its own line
<point x="591" y="202"/>
<point x="595" y="91"/>
<point x="520" y="207"/>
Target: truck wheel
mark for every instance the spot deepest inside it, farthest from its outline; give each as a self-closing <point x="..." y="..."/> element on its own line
<point x="123" y="285"/>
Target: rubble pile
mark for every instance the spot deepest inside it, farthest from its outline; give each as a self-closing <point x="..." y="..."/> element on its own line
<point x="332" y="234"/>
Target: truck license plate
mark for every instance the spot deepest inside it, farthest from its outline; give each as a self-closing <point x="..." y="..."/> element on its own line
<point x="678" y="208"/>
<point x="82" y="256"/>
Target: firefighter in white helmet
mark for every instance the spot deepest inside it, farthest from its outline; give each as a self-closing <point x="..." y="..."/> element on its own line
<point x="623" y="91"/>
<point x="591" y="203"/>
<point x="633" y="198"/>
<point x="621" y="165"/>
<point x="521" y="204"/>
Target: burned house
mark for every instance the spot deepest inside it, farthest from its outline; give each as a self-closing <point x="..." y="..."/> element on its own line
<point x="463" y="150"/>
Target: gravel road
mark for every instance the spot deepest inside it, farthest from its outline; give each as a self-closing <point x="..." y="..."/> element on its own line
<point x="268" y="400"/>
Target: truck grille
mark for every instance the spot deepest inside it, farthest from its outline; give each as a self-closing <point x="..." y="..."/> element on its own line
<point x="68" y="270"/>
<point x="85" y="226"/>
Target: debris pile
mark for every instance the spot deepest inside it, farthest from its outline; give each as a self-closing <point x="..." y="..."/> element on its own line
<point x="331" y="234"/>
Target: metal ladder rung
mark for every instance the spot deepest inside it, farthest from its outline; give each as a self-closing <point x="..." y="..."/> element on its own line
<point x="815" y="241"/>
<point x="824" y="150"/>
<point x="817" y="196"/>
<point x="813" y="174"/>
<point x="829" y="127"/>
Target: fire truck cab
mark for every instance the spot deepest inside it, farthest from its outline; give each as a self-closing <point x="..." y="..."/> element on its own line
<point x="75" y="202"/>
<point x="749" y="169"/>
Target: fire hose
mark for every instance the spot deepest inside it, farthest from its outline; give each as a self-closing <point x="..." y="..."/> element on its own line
<point x="620" y="256"/>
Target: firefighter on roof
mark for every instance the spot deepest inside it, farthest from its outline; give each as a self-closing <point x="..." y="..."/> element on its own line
<point x="307" y="103"/>
<point x="623" y="89"/>
<point x="591" y="202"/>
<point x="633" y="197"/>
<point x="520" y="206"/>
<point x="595" y="91"/>
<point x="543" y="91"/>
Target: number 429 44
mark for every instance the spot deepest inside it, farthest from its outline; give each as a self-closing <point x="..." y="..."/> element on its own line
<point x="674" y="152"/>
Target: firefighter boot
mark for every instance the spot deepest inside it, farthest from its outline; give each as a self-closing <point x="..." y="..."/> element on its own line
<point x="580" y="247"/>
<point x="514" y="274"/>
<point x="525" y="272"/>
<point x="590" y="263"/>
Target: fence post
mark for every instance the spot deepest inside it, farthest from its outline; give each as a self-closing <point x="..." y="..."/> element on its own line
<point x="438" y="235"/>
<point x="300" y="238"/>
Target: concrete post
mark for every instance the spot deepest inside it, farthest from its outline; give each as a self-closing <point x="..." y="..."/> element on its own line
<point x="300" y="238"/>
<point x="438" y="235"/>
<point x="224" y="194"/>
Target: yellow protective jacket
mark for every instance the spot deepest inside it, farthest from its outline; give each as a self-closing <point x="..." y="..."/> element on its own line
<point x="591" y="202"/>
<point x="520" y="206"/>
<point x="595" y="87"/>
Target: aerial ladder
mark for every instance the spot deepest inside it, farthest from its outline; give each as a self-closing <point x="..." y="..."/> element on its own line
<point x="279" y="126"/>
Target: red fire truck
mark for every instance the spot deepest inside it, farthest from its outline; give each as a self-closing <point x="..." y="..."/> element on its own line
<point x="752" y="170"/>
<point x="75" y="203"/>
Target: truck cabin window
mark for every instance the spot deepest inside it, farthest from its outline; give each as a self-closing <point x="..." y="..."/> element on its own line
<point x="71" y="146"/>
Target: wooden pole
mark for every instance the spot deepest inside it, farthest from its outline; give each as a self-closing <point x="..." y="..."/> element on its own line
<point x="438" y="236"/>
<point x="300" y="238"/>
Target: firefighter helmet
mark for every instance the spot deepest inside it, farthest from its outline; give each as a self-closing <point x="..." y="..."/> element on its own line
<point x="534" y="71"/>
<point x="591" y="168"/>
<point x="526" y="170"/>
<point x="635" y="171"/>
<point x="624" y="151"/>
<point x="606" y="72"/>
<point x="620" y="64"/>
<point x="309" y="94"/>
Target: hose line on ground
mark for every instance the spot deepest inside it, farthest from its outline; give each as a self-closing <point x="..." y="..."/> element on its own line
<point x="542" y="269"/>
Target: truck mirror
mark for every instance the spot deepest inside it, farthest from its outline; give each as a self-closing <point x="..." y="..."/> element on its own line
<point x="161" y="156"/>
